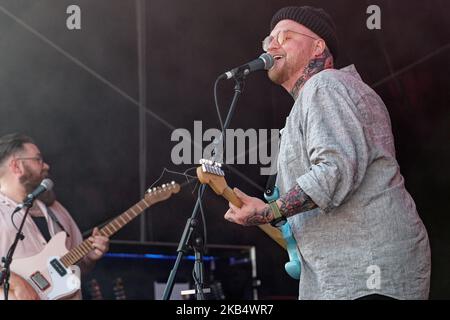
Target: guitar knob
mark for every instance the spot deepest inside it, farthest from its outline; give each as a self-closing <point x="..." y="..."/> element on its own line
<point x="73" y="282"/>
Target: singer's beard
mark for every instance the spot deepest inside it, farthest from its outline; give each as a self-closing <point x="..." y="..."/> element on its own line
<point x="278" y="74"/>
<point x="31" y="180"/>
<point x="288" y="68"/>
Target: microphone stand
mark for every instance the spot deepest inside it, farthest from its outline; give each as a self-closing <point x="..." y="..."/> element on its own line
<point x="6" y="272"/>
<point x="192" y="222"/>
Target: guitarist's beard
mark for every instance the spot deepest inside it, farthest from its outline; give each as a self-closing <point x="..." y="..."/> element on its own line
<point x="30" y="180"/>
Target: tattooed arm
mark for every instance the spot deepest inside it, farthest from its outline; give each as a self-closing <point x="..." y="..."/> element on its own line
<point x="295" y="201"/>
<point x="254" y="211"/>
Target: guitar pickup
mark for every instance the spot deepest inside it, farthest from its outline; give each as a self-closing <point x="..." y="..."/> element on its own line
<point x="58" y="267"/>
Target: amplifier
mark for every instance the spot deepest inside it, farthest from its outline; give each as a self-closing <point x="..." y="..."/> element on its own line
<point x="139" y="271"/>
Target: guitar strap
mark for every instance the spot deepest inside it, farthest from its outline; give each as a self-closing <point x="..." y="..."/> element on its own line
<point x="42" y="224"/>
<point x="55" y="219"/>
<point x="270" y="185"/>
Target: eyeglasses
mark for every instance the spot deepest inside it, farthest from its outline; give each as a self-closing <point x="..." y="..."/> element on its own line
<point x="39" y="159"/>
<point x="281" y="37"/>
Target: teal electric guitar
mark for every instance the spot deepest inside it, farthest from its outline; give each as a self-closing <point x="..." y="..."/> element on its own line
<point x="211" y="173"/>
<point x="293" y="267"/>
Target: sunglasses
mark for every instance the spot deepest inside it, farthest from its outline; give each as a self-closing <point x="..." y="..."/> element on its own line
<point x="281" y="38"/>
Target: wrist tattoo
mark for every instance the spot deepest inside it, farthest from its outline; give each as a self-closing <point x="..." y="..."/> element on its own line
<point x="295" y="201"/>
<point x="258" y="218"/>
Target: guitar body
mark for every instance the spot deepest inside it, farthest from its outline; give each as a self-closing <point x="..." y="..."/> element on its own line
<point x="47" y="275"/>
<point x="293" y="267"/>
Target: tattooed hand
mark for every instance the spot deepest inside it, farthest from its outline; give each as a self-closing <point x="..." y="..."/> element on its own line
<point x="253" y="212"/>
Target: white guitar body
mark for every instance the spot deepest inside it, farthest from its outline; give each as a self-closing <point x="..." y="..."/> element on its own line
<point x="47" y="274"/>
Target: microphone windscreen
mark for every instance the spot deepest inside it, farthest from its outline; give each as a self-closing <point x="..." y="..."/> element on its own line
<point x="268" y="60"/>
<point x="47" y="183"/>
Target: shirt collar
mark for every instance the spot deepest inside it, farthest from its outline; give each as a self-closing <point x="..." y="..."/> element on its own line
<point x="351" y="69"/>
<point x="5" y="200"/>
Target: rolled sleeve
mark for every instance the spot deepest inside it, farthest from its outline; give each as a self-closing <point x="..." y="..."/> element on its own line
<point x="336" y="147"/>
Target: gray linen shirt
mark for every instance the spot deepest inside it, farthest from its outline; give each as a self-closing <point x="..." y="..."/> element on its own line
<point x="366" y="236"/>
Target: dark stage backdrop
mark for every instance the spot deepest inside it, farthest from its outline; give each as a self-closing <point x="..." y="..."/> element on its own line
<point x="103" y="101"/>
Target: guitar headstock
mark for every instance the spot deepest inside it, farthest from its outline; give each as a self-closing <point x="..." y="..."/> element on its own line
<point x="211" y="173"/>
<point x="165" y="191"/>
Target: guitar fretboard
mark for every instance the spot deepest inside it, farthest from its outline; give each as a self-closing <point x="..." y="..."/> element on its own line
<point x="77" y="253"/>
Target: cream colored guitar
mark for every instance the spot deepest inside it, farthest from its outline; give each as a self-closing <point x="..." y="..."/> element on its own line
<point x="52" y="272"/>
<point x="210" y="173"/>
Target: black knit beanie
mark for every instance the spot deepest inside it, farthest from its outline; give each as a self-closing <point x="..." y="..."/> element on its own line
<point x="317" y="20"/>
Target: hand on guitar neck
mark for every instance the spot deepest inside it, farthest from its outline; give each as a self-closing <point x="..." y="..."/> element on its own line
<point x="251" y="211"/>
<point x="244" y="210"/>
<point x="100" y="245"/>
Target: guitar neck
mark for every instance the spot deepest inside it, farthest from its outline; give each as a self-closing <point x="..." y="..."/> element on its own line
<point x="80" y="251"/>
<point x="229" y="194"/>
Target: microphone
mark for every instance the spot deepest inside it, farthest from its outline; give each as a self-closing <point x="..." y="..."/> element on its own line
<point x="264" y="62"/>
<point x="45" y="185"/>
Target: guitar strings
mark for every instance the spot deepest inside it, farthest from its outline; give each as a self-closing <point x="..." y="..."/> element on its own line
<point x="184" y="174"/>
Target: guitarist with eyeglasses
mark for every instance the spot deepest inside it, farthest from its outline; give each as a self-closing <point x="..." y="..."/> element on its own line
<point x="22" y="169"/>
<point x="357" y="229"/>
